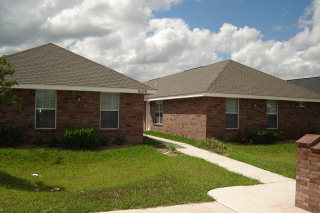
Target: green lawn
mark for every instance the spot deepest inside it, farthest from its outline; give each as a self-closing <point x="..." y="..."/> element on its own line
<point x="131" y="177"/>
<point x="279" y="158"/>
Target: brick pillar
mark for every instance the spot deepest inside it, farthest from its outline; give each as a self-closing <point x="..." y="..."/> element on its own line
<point x="308" y="173"/>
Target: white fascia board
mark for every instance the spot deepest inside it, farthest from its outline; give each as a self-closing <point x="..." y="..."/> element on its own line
<point x="260" y="97"/>
<point x="222" y="95"/>
<point x="83" y="88"/>
<point x="176" y="97"/>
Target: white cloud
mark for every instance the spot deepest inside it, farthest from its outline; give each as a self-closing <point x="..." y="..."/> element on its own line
<point x="124" y="35"/>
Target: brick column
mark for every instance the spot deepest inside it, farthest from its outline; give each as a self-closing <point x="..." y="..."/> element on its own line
<point x="308" y="173"/>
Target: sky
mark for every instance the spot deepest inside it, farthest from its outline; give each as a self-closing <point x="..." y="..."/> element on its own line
<point x="146" y="39"/>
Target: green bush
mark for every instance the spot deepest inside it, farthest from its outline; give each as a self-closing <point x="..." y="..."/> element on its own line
<point x="81" y="138"/>
<point x="46" y="140"/>
<point x="214" y="145"/>
<point x="120" y="139"/>
<point x="104" y="140"/>
<point x="10" y="136"/>
<point x="262" y="136"/>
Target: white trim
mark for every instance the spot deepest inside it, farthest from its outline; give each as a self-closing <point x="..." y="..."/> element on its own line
<point x="277" y="114"/>
<point x="82" y="88"/>
<point x="238" y="117"/>
<point x="147" y="127"/>
<point x="110" y="111"/>
<point x="35" y="112"/>
<point x="176" y="97"/>
<point x="223" y="95"/>
<point x="155" y="113"/>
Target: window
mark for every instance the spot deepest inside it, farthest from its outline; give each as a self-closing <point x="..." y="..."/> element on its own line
<point x="46" y="109"/>
<point x="232" y="112"/>
<point x="159" y="113"/>
<point x="109" y="105"/>
<point x="272" y="114"/>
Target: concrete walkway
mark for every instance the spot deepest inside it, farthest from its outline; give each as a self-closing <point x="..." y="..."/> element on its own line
<point x="276" y="194"/>
<point x="210" y="207"/>
<point x="263" y="198"/>
<point x="245" y="169"/>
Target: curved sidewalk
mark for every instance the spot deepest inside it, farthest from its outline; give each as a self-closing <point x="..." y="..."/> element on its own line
<point x="245" y="169"/>
<point x="276" y="194"/>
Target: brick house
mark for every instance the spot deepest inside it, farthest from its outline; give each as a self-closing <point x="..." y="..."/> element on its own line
<point x="61" y="89"/>
<point x="224" y="99"/>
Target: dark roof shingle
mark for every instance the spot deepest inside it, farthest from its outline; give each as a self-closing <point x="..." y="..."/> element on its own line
<point x="227" y="77"/>
<point x="50" y="64"/>
<point x="312" y="84"/>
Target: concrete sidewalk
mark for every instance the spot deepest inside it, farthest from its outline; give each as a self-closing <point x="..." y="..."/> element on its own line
<point x="245" y="169"/>
<point x="276" y="194"/>
<point x="210" y="207"/>
<point x="263" y="198"/>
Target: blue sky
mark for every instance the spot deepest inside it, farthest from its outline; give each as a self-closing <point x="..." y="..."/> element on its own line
<point x="276" y="19"/>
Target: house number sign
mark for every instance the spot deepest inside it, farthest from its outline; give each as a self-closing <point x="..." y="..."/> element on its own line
<point x="142" y="91"/>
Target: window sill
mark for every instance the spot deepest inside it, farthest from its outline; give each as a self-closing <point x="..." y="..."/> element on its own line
<point x="158" y="124"/>
<point x="231" y="128"/>
<point x="109" y="129"/>
<point x="45" y="129"/>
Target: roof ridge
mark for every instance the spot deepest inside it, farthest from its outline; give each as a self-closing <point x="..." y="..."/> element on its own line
<point x="303" y="78"/>
<point x="27" y="50"/>
<point x="179" y="72"/>
<point x="98" y="64"/>
<point x="302" y="88"/>
<point x="224" y="67"/>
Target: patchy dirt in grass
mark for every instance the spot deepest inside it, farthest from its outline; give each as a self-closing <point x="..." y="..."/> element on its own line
<point x="169" y="152"/>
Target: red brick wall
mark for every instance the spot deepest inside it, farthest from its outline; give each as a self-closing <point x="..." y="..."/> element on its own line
<point x="71" y="113"/>
<point x="308" y="174"/>
<point x="294" y="122"/>
<point x="184" y="117"/>
<point x="250" y="117"/>
<point x="205" y="117"/>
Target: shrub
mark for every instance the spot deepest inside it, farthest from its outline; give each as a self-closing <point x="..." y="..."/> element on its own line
<point x="46" y="140"/>
<point x="120" y="139"/>
<point x="262" y="136"/>
<point x="10" y="136"/>
<point x="172" y="148"/>
<point x="81" y="138"/>
<point x="214" y="145"/>
<point x="104" y="140"/>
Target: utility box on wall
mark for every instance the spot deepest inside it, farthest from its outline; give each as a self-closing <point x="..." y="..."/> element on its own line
<point x="308" y="173"/>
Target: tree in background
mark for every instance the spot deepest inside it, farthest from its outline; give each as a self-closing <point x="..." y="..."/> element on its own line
<point x="6" y="91"/>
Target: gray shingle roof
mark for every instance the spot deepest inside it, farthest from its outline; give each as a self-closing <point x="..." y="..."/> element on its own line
<point x="312" y="84"/>
<point x="50" y="64"/>
<point x="227" y="77"/>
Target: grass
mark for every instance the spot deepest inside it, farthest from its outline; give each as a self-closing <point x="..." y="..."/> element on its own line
<point x="211" y="144"/>
<point x="279" y="158"/>
<point x="89" y="181"/>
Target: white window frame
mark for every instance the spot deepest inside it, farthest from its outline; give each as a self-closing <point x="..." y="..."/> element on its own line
<point x="35" y="110"/>
<point x="155" y="112"/>
<point x="273" y="114"/>
<point x="101" y="94"/>
<point x="232" y="113"/>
